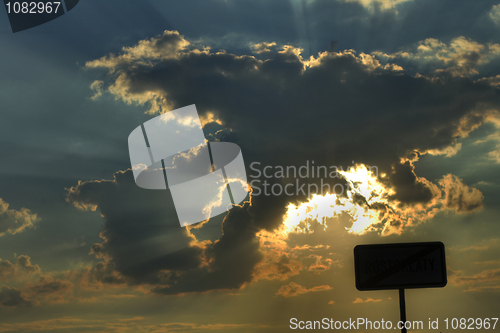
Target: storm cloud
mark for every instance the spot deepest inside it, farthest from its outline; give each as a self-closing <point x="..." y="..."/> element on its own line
<point x="329" y="109"/>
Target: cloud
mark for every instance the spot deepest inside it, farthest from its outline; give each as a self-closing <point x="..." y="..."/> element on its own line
<point x="475" y="248"/>
<point x="170" y="45"/>
<point x="294" y="289"/>
<point x="372" y="205"/>
<point x="33" y="283"/>
<point x="144" y="244"/>
<point x="263" y="47"/>
<point x="459" y="196"/>
<point x="14" y="221"/>
<point x="281" y="260"/>
<point x="276" y="265"/>
<point x="368" y="300"/>
<point x="493" y="155"/>
<point x="47" y="285"/>
<point x="485" y="280"/>
<point x="12" y="297"/>
<point x="379" y="4"/>
<point x="7" y="269"/>
<point x="461" y="57"/>
<point x="24" y="262"/>
<point x="49" y="289"/>
<point x="21" y="267"/>
<point x="495" y="14"/>
<point x="492" y="80"/>
<point x="135" y="324"/>
<point x="96" y="86"/>
<point x="333" y="108"/>
<point x="320" y="264"/>
<point x="133" y="216"/>
<point x="336" y="79"/>
<point x="408" y="187"/>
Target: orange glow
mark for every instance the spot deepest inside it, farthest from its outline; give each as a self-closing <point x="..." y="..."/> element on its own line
<point x="361" y="182"/>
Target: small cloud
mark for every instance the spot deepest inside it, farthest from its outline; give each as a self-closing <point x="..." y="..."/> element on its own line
<point x="132" y="319"/>
<point x="166" y="46"/>
<point x="494" y="154"/>
<point x="447" y="151"/>
<point x="368" y="300"/>
<point x="484" y="288"/>
<point x="263" y="47"/>
<point x="491" y="80"/>
<point x="331" y="302"/>
<point x="459" y="196"/>
<point x="321" y="264"/>
<point x="14" y="221"/>
<point x="48" y="285"/>
<point x="97" y="87"/>
<point x="371" y="5"/>
<point x="495" y="14"/>
<point x="485" y="280"/>
<point x="294" y="289"/>
<point x="488" y="262"/>
<point x="475" y="248"/>
<point x="209" y="118"/>
<point x="24" y="262"/>
<point x="462" y="57"/>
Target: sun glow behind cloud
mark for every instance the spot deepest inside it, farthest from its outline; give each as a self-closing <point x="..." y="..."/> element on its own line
<point x="362" y="186"/>
<point x="371" y="205"/>
<point x="282" y="260"/>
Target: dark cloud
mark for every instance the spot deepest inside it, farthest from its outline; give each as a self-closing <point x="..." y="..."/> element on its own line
<point x="341" y="108"/>
<point x="234" y="256"/>
<point x="409" y="189"/>
<point x="46" y="285"/>
<point x="378" y="25"/>
<point x="143" y="242"/>
<point x="12" y="297"/>
<point x="142" y="233"/>
<point x="334" y="109"/>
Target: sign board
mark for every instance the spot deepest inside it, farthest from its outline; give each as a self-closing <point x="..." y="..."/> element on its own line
<point x="400" y="266"/>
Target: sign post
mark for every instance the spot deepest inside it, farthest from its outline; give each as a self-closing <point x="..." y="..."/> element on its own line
<point x="400" y="266"/>
<point x="402" y="309"/>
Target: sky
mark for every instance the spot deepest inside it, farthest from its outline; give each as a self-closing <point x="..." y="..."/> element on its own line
<point x="402" y="109"/>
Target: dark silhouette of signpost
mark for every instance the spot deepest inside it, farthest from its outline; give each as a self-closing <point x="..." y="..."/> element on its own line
<point x="400" y="266"/>
<point x="402" y="308"/>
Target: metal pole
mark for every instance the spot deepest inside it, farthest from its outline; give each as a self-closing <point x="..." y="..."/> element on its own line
<point x="402" y="308"/>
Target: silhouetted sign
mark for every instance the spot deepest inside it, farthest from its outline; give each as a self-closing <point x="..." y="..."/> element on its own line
<point x="28" y="14"/>
<point x="400" y="266"/>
